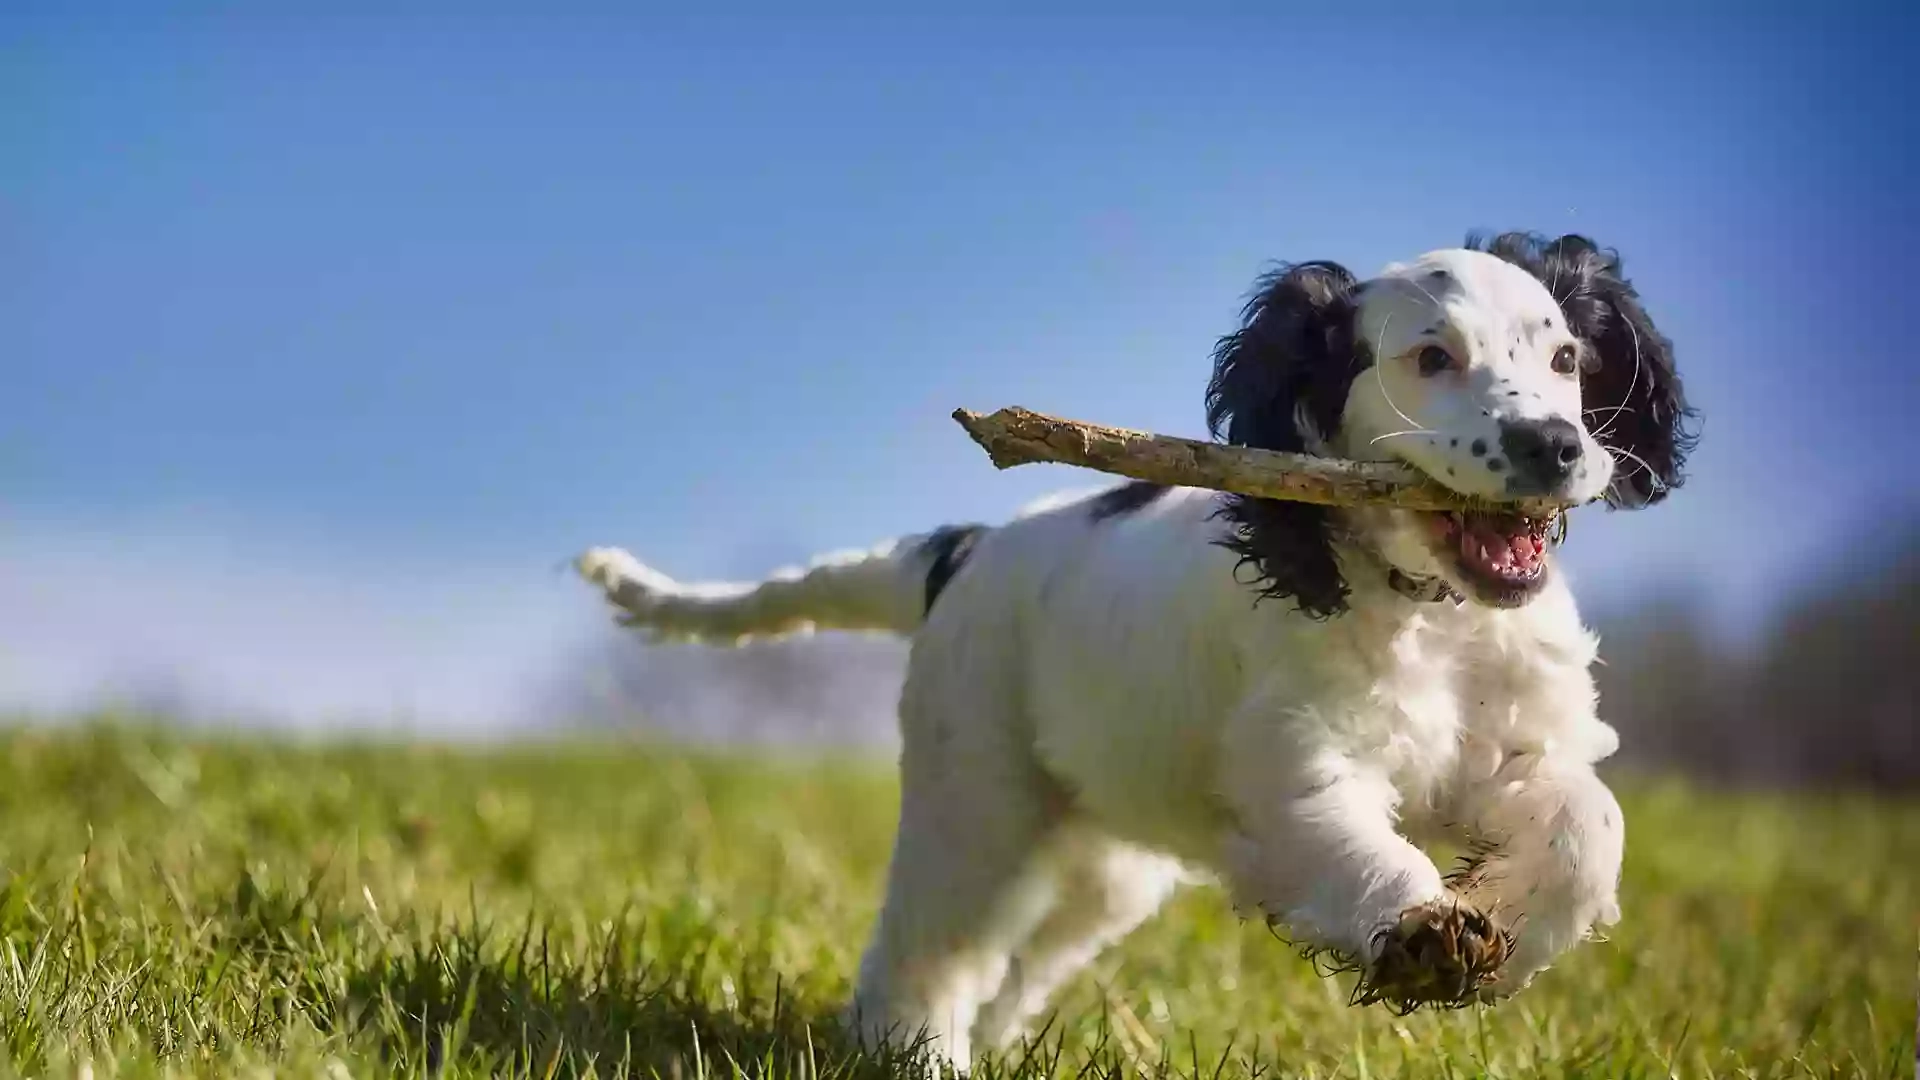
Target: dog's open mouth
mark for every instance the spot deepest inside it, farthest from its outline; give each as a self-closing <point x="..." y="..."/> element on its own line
<point x="1503" y="555"/>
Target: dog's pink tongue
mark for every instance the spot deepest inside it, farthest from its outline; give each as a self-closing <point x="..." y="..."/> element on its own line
<point x="1526" y="550"/>
<point x="1502" y="548"/>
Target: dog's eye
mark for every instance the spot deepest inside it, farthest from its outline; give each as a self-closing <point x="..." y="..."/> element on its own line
<point x="1433" y="360"/>
<point x="1567" y="360"/>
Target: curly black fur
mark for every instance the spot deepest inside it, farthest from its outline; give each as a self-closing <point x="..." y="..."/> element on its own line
<point x="1295" y="352"/>
<point x="1634" y="398"/>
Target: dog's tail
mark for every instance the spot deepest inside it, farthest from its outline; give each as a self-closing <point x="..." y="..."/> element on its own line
<point x="889" y="588"/>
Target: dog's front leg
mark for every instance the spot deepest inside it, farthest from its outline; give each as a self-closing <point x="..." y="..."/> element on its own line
<point x="1547" y="838"/>
<point x="1315" y="848"/>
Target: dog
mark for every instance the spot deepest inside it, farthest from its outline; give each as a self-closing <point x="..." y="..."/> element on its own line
<point x="1116" y="694"/>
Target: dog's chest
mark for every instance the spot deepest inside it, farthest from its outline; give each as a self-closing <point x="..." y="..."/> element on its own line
<point x="1497" y="682"/>
<point x="1413" y="707"/>
<point x="1423" y="685"/>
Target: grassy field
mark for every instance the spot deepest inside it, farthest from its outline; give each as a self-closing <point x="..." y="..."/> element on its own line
<point x="213" y="907"/>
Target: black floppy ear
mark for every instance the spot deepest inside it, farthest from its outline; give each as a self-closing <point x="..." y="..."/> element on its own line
<point x="1631" y="393"/>
<point x="1290" y="364"/>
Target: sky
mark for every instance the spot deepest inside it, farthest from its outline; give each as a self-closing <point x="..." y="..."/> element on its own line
<point x="327" y="335"/>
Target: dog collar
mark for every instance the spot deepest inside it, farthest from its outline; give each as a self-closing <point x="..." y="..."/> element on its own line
<point x="1422" y="590"/>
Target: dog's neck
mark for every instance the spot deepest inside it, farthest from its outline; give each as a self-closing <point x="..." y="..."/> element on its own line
<point x="1419" y="588"/>
<point x="1423" y="590"/>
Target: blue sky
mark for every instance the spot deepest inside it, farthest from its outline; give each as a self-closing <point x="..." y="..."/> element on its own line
<point x="323" y="337"/>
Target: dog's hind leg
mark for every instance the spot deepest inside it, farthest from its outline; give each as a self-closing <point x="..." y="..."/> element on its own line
<point x="966" y="884"/>
<point x="1103" y="889"/>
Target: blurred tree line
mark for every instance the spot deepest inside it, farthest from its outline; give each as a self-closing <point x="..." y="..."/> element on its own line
<point x="1826" y="694"/>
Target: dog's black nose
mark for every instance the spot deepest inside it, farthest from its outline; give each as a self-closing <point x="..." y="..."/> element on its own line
<point x="1543" y="452"/>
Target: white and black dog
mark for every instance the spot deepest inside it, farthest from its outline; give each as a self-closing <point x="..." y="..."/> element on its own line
<point x="1098" y="706"/>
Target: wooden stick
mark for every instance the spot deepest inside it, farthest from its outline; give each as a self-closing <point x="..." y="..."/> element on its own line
<point x="1016" y="436"/>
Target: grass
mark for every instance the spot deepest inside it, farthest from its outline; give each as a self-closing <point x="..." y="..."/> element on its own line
<point x="229" y="906"/>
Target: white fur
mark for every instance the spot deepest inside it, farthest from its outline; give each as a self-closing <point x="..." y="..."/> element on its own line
<point x="877" y="589"/>
<point x="1097" y="711"/>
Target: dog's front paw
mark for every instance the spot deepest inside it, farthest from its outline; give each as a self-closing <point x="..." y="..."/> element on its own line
<point x="1446" y="953"/>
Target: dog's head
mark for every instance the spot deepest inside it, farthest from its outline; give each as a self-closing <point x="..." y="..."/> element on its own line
<point x="1515" y="367"/>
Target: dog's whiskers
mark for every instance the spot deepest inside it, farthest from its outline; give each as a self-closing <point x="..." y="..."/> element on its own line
<point x="1636" y="459"/>
<point x="1397" y="434"/>
<point x="1382" y="386"/>
<point x="1424" y="292"/>
<point x="1631" y="386"/>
